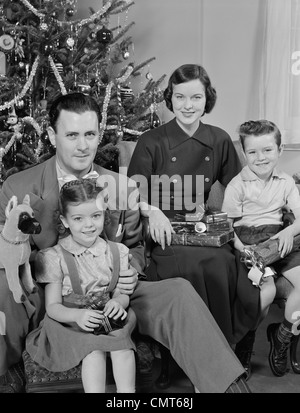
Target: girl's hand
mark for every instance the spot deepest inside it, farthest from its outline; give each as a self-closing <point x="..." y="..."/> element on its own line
<point x="89" y="319"/>
<point x="286" y="241"/>
<point x="114" y="309"/>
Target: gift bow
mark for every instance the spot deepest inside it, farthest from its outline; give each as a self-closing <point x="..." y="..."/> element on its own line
<point x="250" y="258"/>
<point x="69" y="177"/>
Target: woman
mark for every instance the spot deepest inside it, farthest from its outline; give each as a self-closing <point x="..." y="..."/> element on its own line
<point x="188" y="148"/>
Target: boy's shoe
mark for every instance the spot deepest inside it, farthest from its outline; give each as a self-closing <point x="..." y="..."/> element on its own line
<point x="293" y="355"/>
<point x="278" y="355"/>
<point x="244" y="351"/>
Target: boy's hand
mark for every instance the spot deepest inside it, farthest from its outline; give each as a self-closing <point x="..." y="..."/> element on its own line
<point x="128" y="279"/>
<point x="114" y="309"/>
<point x="285" y="241"/>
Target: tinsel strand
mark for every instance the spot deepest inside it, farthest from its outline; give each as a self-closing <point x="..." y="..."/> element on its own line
<point x="25" y="88"/>
<point x="57" y="76"/>
<point x="104" y="112"/>
<point x="80" y="23"/>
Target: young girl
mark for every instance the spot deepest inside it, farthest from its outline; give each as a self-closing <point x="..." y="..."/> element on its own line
<point x="65" y="337"/>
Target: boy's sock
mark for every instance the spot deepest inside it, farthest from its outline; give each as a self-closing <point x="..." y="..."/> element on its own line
<point x="284" y="334"/>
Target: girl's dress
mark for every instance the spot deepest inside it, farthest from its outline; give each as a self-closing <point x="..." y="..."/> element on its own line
<point x="61" y="346"/>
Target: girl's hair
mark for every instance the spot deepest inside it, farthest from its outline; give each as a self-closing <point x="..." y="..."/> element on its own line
<point x="186" y="73"/>
<point x="73" y="102"/>
<point x="259" y="128"/>
<point x="76" y="192"/>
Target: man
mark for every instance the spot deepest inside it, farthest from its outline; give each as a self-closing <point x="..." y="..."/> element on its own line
<point x="169" y="311"/>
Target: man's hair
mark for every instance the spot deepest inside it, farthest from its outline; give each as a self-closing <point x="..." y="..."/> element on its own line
<point x="73" y="102"/>
<point x="186" y="73"/>
<point x="258" y="128"/>
<point x="77" y="192"/>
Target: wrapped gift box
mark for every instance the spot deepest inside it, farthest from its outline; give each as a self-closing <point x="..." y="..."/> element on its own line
<point x="205" y="239"/>
<point x="211" y="216"/>
<point x="267" y="252"/>
<point x="191" y="227"/>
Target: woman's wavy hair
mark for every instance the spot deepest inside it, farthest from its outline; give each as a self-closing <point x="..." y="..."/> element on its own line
<point x="186" y="73"/>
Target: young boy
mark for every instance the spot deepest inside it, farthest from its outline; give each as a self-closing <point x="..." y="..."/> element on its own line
<point x="254" y="200"/>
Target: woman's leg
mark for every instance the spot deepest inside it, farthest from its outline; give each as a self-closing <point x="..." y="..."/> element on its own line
<point x="93" y="372"/>
<point x="123" y="364"/>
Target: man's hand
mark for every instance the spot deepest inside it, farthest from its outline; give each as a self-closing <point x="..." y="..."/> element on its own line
<point x="128" y="279"/>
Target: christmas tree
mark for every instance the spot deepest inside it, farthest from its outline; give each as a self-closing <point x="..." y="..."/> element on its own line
<point x="44" y="52"/>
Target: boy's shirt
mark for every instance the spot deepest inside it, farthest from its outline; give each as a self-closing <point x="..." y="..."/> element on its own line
<point x="256" y="203"/>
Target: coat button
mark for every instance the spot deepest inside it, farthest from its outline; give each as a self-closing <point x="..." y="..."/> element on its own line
<point x="207" y="158"/>
<point x="206" y="179"/>
<point x="174" y="159"/>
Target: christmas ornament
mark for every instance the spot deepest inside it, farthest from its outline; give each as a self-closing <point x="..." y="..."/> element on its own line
<point x="92" y="36"/>
<point x="46" y="48"/>
<point x="126" y="55"/>
<point x="149" y="76"/>
<point x="12" y="118"/>
<point x="44" y="26"/>
<point x="154" y="120"/>
<point x="6" y="43"/>
<point x="151" y="121"/>
<point x="104" y="36"/>
<point x="20" y="104"/>
<point x="70" y="12"/>
<point x="84" y="88"/>
<point x="126" y="92"/>
<point x="70" y="42"/>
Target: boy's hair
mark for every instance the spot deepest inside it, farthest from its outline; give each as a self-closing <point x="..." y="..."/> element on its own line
<point x="259" y="128"/>
<point x="186" y="73"/>
<point x="73" y="102"/>
<point x="76" y="192"/>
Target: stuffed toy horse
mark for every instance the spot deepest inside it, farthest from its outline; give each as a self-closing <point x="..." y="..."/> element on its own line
<point x="15" y="247"/>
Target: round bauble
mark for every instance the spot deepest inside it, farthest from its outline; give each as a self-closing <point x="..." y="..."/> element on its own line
<point x="104" y="35"/>
<point x="70" y="12"/>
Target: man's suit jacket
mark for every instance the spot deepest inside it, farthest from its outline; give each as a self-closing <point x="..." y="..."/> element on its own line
<point x="40" y="182"/>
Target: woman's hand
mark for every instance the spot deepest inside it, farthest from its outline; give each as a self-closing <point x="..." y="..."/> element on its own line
<point x="115" y="310"/>
<point x="285" y="240"/>
<point x="88" y="320"/>
<point x="160" y="228"/>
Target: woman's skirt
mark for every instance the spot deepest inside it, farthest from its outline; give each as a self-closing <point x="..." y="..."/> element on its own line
<point x="219" y="278"/>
